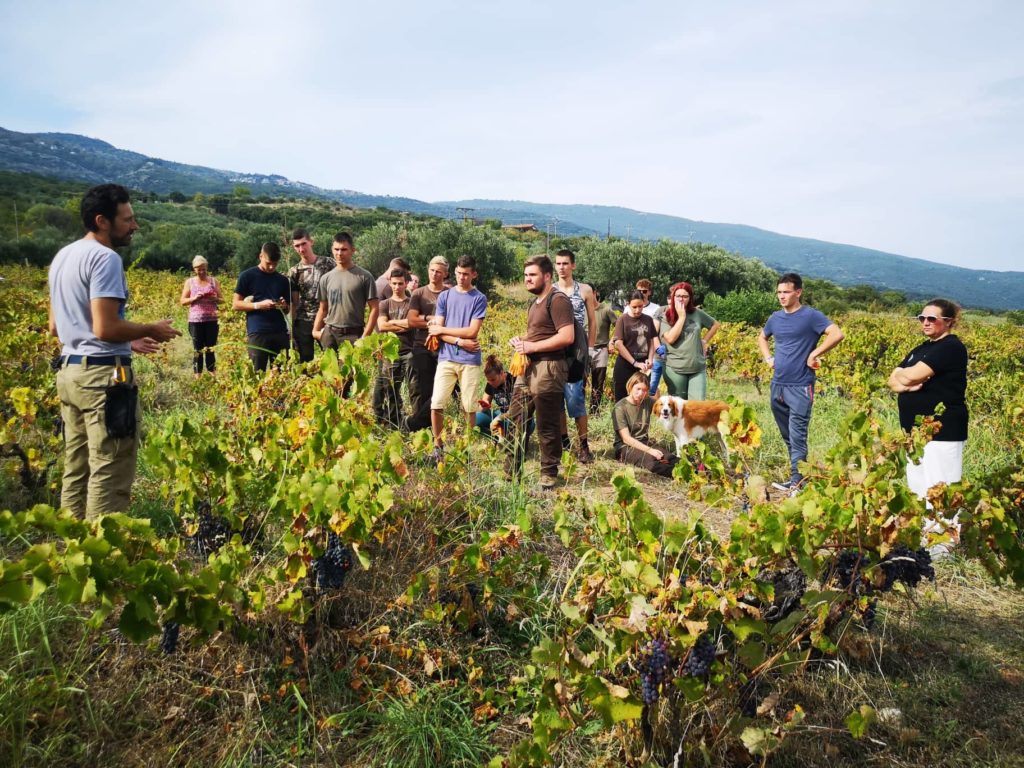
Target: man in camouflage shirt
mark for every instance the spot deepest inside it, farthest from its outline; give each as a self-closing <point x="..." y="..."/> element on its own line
<point x="304" y="277"/>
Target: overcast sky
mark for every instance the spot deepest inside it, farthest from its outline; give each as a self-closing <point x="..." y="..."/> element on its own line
<point x="891" y="125"/>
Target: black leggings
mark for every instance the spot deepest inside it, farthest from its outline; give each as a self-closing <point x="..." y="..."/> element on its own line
<point x="620" y="375"/>
<point x="204" y="339"/>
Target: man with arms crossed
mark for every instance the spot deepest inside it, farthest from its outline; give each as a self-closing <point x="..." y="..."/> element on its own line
<point x="88" y="294"/>
<point x="393" y="318"/>
<point x="423" y="365"/>
<point x="261" y="293"/>
<point x="459" y="314"/>
<point x="550" y="328"/>
<point x="304" y="278"/>
<point x="344" y="294"/>
<point x="796" y="330"/>
<point x="583" y="305"/>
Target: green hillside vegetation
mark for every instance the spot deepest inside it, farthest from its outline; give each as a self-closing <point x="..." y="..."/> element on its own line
<point x="38" y="216"/>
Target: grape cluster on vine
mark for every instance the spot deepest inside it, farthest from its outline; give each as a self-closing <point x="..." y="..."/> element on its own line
<point x="846" y="570"/>
<point x="169" y="637"/>
<point x="905" y="565"/>
<point x="212" y="533"/>
<point x="698" y="663"/>
<point x="330" y="569"/>
<point x="654" y="669"/>
<point x="789" y="586"/>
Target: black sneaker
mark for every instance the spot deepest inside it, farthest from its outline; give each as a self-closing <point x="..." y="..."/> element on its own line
<point x="785" y="487"/>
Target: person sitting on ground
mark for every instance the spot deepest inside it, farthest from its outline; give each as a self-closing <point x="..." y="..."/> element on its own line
<point x="490" y="419"/>
<point x="631" y="422"/>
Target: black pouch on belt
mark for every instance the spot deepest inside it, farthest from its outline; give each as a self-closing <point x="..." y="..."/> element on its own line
<point x="121" y="409"/>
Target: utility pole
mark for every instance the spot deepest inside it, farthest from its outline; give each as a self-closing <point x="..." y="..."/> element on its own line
<point x="609" y="238"/>
<point x="465" y="213"/>
<point x="17" y="232"/>
<point x="628" y="228"/>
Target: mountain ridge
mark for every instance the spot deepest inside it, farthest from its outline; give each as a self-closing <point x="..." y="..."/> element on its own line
<point x="81" y="158"/>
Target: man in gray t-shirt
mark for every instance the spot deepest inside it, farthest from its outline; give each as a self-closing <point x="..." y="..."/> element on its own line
<point x="344" y="294"/>
<point x="88" y="293"/>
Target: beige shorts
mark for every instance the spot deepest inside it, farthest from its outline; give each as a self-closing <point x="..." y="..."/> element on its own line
<point x="468" y="378"/>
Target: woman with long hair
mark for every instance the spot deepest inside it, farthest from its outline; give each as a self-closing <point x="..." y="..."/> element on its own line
<point x="686" y="350"/>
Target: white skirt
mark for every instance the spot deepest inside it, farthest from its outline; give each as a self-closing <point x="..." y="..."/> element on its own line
<point x="942" y="462"/>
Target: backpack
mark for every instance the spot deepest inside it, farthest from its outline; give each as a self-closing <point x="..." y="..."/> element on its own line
<point x="577" y="354"/>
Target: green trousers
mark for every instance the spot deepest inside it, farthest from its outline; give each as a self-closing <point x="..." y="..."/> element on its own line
<point x="689" y="386"/>
<point x="98" y="469"/>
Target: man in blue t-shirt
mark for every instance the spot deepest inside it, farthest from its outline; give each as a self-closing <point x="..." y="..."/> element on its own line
<point x="797" y="330"/>
<point x="263" y="294"/>
<point x="457" y="319"/>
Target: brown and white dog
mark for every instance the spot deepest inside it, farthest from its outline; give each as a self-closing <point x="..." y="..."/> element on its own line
<point x="688" y="420"/>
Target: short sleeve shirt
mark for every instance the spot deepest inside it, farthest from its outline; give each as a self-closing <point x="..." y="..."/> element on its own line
<point x="948" y="358"/>
<point x="501" y="397"/>
<point x="304" y="279"/>
<point x="796" y="335"/>
<point x="686" y="355"/>
<point x="459" y="310"/>
<point x="543" y="323"/>
<point x="424" y="301"/>
<point x="80" y="272"/>
<point x="347" y="292"/>
<point x="635" y="418"/>
<point x="604" y="318"/>
<point x="393" y="309"/>
<point x="636" y="334"/>
<point x="263" y="285"/>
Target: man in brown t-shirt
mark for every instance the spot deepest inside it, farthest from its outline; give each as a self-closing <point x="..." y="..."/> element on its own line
<point x="419" y="374"/>
<point x="550" y="328"/>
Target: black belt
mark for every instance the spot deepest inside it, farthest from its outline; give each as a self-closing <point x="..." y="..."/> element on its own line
<point x="347" y="330"/>
<point x="124" y="360"/>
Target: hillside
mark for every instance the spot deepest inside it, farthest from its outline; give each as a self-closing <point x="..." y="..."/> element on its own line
<point x="78" y="158"/>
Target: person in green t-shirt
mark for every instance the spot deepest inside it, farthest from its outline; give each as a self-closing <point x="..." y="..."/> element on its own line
<point x="631" y="421"/>
<point x="686" y="351"/>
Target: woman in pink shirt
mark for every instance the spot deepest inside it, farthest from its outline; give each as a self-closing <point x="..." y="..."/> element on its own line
<point x="201" y="294"/>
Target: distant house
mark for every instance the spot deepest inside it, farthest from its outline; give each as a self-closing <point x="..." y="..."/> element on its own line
<point x="522" y="227"/>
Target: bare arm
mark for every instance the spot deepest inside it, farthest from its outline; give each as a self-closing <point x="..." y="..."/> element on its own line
<point x="591" y="305"/>
<point x="51" y="322"/>
<point x="766" y="351"/>
<point x="371" y="321"/>
<point x="318" y="321"/>
<point x="632" y="442"/>
<point x="672" y="335"/>
<point x="562" y="339"/>
<point x="833" y="335"/>
<point x="910" y="379"/>
<point x="108" y="325"/>
<point x="651" y="350"/>
<point x="709" y="336"/>
<point x="186" y="297"/>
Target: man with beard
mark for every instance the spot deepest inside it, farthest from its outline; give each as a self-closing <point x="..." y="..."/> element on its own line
<point x="550" y="328"/>
<point x="88" y="294"/>
<point x="304" y="278"/>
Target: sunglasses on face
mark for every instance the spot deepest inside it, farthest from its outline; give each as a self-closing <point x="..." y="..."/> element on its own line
<point x="930" y="318"/>
<point x="644" y="291"/>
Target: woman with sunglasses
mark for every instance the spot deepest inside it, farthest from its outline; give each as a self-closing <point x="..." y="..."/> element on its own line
<point x="935" y="372"/>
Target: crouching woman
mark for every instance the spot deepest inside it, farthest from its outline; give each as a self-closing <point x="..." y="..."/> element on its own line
<point x="631" y="420"/>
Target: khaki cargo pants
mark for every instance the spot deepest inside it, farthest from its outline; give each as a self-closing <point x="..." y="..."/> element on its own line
<point x="98" y="470"/>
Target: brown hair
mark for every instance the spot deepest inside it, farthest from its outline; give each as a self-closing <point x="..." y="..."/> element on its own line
<point x="493" y="366"/>
<point x="637" y="378"/>
<point x="950" y="309"/>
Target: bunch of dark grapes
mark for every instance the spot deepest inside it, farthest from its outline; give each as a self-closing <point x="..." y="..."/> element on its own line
<point x="698" y="663"/>
<point x="903" y="564"/>
<point x="846" y="570"/>
<point x="790" y="586"/>
<point x="212" y="534"/>
<point x="869" y="615"/>
<point x="331" y="568"/>
<point x="654" y="669"/>
<point x="169" y="637"/>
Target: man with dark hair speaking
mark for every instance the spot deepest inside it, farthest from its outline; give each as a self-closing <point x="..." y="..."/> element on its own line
<point x="261" y="293"/>
<point x="95" y="383"/>
<point x="344" y="294"/>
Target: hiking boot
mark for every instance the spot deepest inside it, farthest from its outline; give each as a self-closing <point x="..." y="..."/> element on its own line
<point x="586" y="457"/>
<point x="548" y="482"/>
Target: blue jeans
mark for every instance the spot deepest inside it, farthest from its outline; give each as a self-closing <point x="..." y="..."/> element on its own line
<point x="576" y="399"/>
<point x="484" y="418"/>
<point x="791" y="407"/>
<point x="656" y="369"/>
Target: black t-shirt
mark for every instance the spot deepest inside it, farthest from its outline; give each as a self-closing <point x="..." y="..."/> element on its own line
<point x="501" y="397"/>
<point x="264" y="285"/>
<point x="948" y="358"/>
